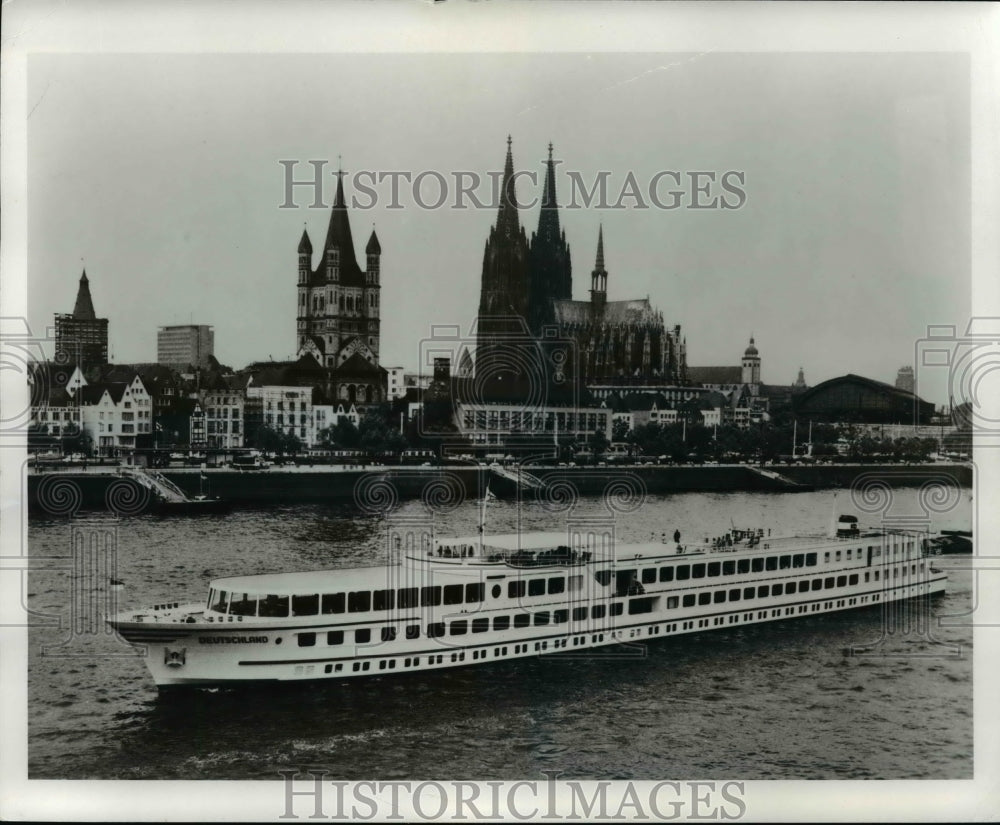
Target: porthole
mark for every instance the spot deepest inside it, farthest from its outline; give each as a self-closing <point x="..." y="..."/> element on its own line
<point x="277" y="641"/>
<point x="496" y="591"/>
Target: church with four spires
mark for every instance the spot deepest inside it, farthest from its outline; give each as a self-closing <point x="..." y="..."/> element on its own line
<point x="339" y="308"/>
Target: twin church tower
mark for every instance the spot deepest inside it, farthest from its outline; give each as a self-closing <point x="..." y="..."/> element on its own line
<point x="526" y="292"/>
<point x="529" y="284"/>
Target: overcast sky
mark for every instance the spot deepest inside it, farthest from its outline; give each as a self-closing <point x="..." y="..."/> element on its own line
<point x="162" y="174"/>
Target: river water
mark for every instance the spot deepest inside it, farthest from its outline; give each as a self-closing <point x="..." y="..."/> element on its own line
<point x="786" y="700"/>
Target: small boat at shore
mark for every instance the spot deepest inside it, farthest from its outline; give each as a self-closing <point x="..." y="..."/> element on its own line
<point x="441" y="603"/>
<point x="949" y="542"/>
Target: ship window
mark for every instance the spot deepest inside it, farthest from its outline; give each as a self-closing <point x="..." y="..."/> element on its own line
<point x="810" y="559"/>
<point x="362" y="636"/>
<point x="536" y="587"/>
<point x="876" y="579"/>
<point x="683" y="572"/>
<point x="666" y="574"/>
<point x="575" y="583"/>
<point x="274" y="606"/>
<point x="220" y="605"/>
<point x="430" y="595"/>
<point x="826" y="558"/>
<point x="689" y="600"/>
<point x="771" y="563"/>
<point x="748" y="592"/>
<point x="853" y="579"/>
<point x="734" y="595"/>
<point x="743" y="566"/>
<point x="305" y="605"/>
<point x="579" y="614"/>
<point x="616" y="608"/>
<point x="516" y="589"/>
<point x="728" y="568"/>
<point x="757" y="565"/>
<point x="307" y="639"/>
<point x="333" y="602"/>
<point x="388" y="634"/>
<point x="557" y="584"/>
<point x="501" y="622"/>
<point x="672" y="602"/>
<point x="640" y="606"/>
<point x="817" y="584"/>
<point x="704" y="598"/>
<point x="603" y="577"/>
<point x="453" y="594"/>
<point x="407" y="597"/>
<point x="803" y="586"/>
<point x="244" y="606"/>
<point x="598" y="611"/>
<point x="522" y="620"/>
<point x="475" y="592"/>
<point x="841" y="581"/>
<point x="560" y="616"/>
<point x="480" y="625"/>
<point x="777" y="589"/>
<point x="838" y="555"/>
<point x="714" y="568"/>
<point x="542" y="617"/>
<point x="828" y="582"/>
<point x="459" y="628"/>
<point x="359" y="601"/>
<point x="798" y="560"/>
<point x="335" y="637"/>
<point x="649" y="575"/>
<point x="435" y="629"/>
<point x="383" y="599"/>
<point x="697" y="571"/>
<point x="719" y="596"/>
<point x="413" y="631"/>
<point x="762" y="591"/>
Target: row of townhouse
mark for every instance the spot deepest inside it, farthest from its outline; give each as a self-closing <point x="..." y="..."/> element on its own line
<point x="113" y="413"/>
<point x="170" y="412"/>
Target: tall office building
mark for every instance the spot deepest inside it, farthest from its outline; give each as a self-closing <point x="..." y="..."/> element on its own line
<point x="185" y="345"/>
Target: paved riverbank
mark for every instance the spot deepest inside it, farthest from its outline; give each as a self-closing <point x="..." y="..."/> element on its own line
<point x="67" y="491"/>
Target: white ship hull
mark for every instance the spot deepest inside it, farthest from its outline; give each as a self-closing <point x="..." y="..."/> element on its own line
<point x="655" y="593"/>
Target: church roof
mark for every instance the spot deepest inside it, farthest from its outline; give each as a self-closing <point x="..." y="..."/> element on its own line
<point x="357" y="364"/>
<point x="613" y="312"/>
<point x="373" y="247"/>
<point x="84" y="308"/>
<point x="715" y="375"/>
<point x="305" y="245"/>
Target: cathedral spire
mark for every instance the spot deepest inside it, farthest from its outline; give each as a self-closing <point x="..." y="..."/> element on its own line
<point x="507" y="220"/>
<point x="83" y="310"/>
<point x="599" y="277"/>
<point x="548" y="220"/>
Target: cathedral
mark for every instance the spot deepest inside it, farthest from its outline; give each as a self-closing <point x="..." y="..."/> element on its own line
<point x="339" y="308"/>
<point x="527" y="291"/>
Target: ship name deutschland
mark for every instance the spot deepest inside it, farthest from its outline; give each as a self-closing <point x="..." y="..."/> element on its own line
<point x="231" y="640"/>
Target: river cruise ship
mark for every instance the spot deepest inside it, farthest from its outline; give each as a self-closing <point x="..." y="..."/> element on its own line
<point x="454" y="602"/>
